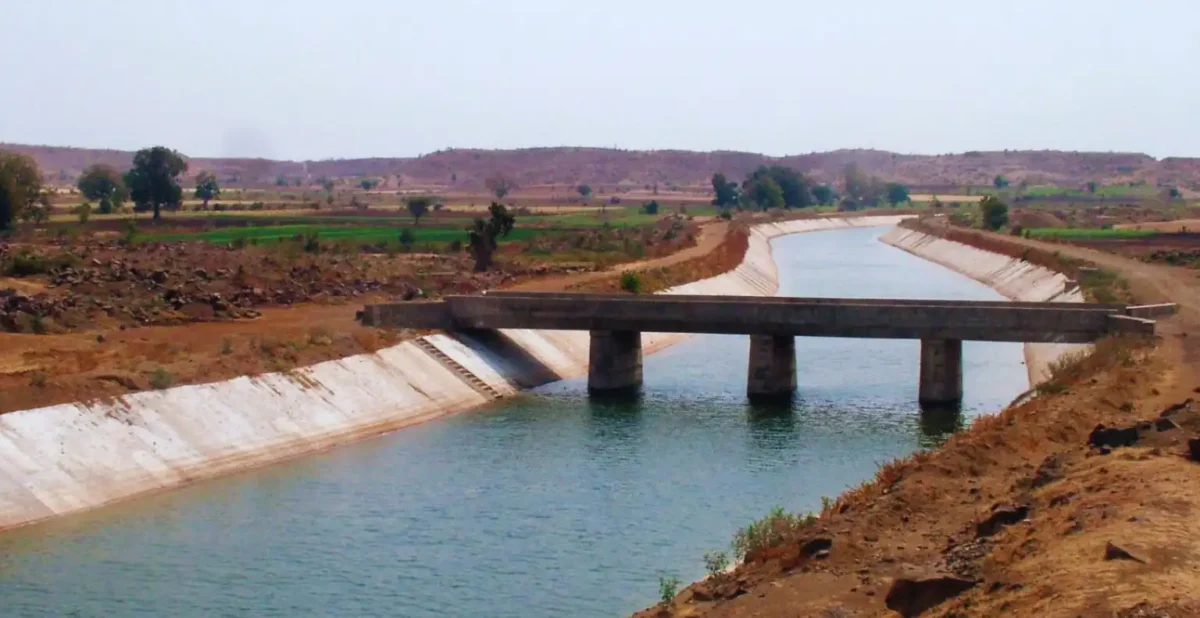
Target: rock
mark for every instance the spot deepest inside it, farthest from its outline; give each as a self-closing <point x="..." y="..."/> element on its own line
<point x="812" y="547"/>
<point x="1165" y="424"/>
<point x="1177" y="408"/>
<point x="1002" y="515"/>
<point x="1049" y="471"/>
<point x="912" y="596"/>
<point x="1112" y="436"/>
<point x="1194" y="449"/>
<point x="1112" y="551"/>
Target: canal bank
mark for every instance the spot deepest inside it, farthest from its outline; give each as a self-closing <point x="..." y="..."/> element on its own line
<point x="69" y="458"/>
<point x="1014" y="278"/>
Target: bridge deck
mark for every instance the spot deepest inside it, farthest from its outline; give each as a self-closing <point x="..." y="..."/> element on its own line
<point x="782" y="316"/>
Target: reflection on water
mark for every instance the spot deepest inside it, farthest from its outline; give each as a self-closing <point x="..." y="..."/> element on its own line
<point x="549" y="504"/>
<point x="940" y="421"/>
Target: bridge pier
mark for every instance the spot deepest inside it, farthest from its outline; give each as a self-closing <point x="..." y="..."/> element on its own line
<point x="772" y="371"/>
<point x="615" y="360"/>
<point x="941" y="371"/>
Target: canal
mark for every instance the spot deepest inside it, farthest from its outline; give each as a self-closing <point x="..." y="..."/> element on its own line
<point x="547" y="504"/>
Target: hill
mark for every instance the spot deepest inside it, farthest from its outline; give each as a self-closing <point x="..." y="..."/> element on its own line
<point x="467" y="168"/>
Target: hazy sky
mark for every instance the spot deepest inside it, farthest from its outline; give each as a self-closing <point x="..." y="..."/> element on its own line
<point x="352" y="78"/>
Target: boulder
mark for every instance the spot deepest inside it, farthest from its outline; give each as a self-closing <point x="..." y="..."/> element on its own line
<point x="1112" y="551"/>
<point x="1113" y="437"/>
<point x="1001" y="516"/>
<point x="910" y="596"/>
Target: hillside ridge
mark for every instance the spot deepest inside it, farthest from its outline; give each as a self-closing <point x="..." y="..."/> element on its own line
<point x="468" y="168"/>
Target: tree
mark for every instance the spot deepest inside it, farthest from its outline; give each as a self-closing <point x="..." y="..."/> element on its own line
<point x="1000" y="181"/>
<point x="500" y="185"/>
<point x="1173" y="193"/>
<point x="585" y="191"/>
<point x="21" y="194"/>
<point x="765" y="193"/>
<point x="726" y="192"/>
<point x="857" y="184"/>
<point x="368" y="183"/>
<point x="328" y="185"/>
<point x="995" y="212"/>
<point x="651" y="207"/>
<point x="154" y="180"/>
<point x="1091" y="186"/>
<point x="794" y="187"/>
<point x="483" y="234"/>
<point x="103" y="183"/>
<point x="823" y="194"/>
<point x="417" y="207"/>
<point x="207" y="187"/>
<point x="281" y="181"/>
<point x="896" y="194"/>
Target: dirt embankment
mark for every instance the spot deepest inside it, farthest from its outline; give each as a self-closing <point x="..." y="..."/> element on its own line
<point x="1080" y="502"/>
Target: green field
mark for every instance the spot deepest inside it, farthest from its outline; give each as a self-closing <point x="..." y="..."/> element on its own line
<point x="1066" y="233"/>
<point x="369" y="234"/>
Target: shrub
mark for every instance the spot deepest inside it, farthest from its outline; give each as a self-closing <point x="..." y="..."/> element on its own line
<point x="406" y="239"/>
<point x="715" y="562"/>
<point x="777" y="527"/>
<point x="24" y="264"/>
<point x="631" y="282"/>
<point x="312" y="243"/>
<point x="130" y="234"/>
<point x="725" y="214"/>
<point x="320" y="335"/>
<point x="1071" y="367"/>
<point x="650" y="208"/>
<point x="38" y="379"/>
<point x="162" y="379"/>
<point x="84" y="212"/>
<point x="37" y="324"/>
<point x="668" y="587"/>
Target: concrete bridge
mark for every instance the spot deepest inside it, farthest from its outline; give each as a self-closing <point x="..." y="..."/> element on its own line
<point x="617" y="321"/>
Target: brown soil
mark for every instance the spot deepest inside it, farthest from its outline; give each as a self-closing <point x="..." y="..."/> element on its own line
<point x="1016" y="515"/>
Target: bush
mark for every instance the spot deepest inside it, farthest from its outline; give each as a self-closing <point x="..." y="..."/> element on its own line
<point x="162" y="379"/>
<point x="668" y="587"/>
<point x="130" y="234"/>
<point x="778" y="526"/>
<point x="84" y="212"/>
<point x="312" y="243"/>
<point x="994" y="213"/>
<point x="725" y="214"/>
<point x="406" y="239"/>
<point x="631" y="282"/>
<point x="650" y="208"/>
<point x="715" y="562"/>
<point x="24" y="264"/>
<point x="38" y="379"/>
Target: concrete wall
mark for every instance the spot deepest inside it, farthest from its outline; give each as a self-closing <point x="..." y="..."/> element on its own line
<point x="67" y="458"/>
<point x="1015" y="279"/>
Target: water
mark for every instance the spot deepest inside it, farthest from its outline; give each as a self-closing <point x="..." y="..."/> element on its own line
<point x="545" y="505"/>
